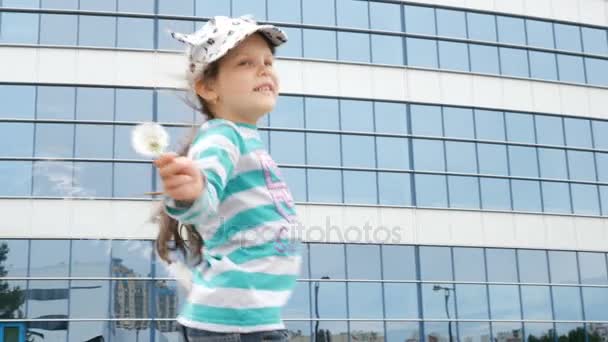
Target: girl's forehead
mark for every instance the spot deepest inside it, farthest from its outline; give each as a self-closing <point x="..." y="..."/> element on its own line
<point x="252" y="44"/>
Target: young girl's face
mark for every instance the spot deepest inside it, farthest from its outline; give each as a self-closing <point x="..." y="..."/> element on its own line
<point x="246" y="85"/>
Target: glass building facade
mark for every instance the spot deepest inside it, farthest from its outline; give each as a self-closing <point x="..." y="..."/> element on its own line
<point x="67" y="140"/>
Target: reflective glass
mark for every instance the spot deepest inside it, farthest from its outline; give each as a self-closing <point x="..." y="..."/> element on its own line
<point x="401" y="300"/>
<point x="532" y="266"/>
<point x="502" y="265"/>
<point x="595" y="303"/>
<point x="360" y="187"/>
<point x="549" y="130"/>
<point x="135" y="33"/>
<point x="420" y="20"/>
<point x="257" y="8"/>
<point x="440" y="331"/>
<point x="472" y="301"/>
<point x="288" y="112"/>
<point x="492" y="159"/>
<point x="94" y="5"/>
<point x="172" y="107"/>
<point x="134" y="105"/>
<point x="362" y="330"/>
<point x="398" y="262"/>
<point x="489" y="125"/>
<point x="49" y="258"/>
<point x="539" y="331"/>
<point x="296" y="179"/>
<point x="435" y="263"/>
<point x="451" y="23"/>
<point x="287" y="147"/>
<point x="95" y="104"/>
<point x="514" y="62"/>
<point x="55" y="103"/>
<point x="19" y="28"/>
<point x="319" y="12"/>
<point x="581" y="165"/>
<point x="484" y="59"/>
<point x="58" y="29"/>
<point x="48" y="297"/>
<point x="597" y="71"/>
<point x="385" y="16"/>
<point x="90" y="258"/>
<point x="18" y="101"/>
<point x="552" y="163"/>
<point x="363" y="261"/>
<point x="209" y="8"/>
<point x="433" y="302"/>
<point x="357" y="115"/>
<point x="536" y="302"/>
<point x="323" y="149"/>
<point x="324" y="186"/>
<point x="426" y="120"/>
<point x="394" y="188"/>
<point x="540" y="33"/>
<point x="567" y="37"/>
<point x="319" y="44"/>
<point x="601" y="160"/>
<point x="21" y="3"/>
<point x="461" y="157"/>
<point x="165" y="41"/>
<point x="570" y="332"/>
<point x="474" y="331"/>
<point x="92" y="180"/>
<point x="464" y="192"/>
<point x="495" y="194"/>
<point x="352" y="13"/>
<point x="19" y="287"/>
<point x="453" y="56"/>
<point x="481" y="26"/>
<point x="595" y="41"/>
<point x="571" y="68"/>
<point x="294" y="48"/>
<point x="393" y="153"/>
<point x="567" y="303"/>
<point x="59" y="4"/>
<point x="95" y="293"/>
<point x="511" y="30"/>
<point x="504" y="302"/>
<point x="327" y="260"/>
<point x="322" y="113"/>
<point x="358" y="151"/>
<point x="131" y="258"/>
<point x="469" y="264"/>
<point x="543" y="65"/>
<point x="563" y="267"/>
<point x="390" y="117"/>
<point x="15" y="254"/>
<point x="97" y="31"/>
<point x="365" y="300"/>
<point x="593" y="268"/>
<point x="94" y="141"/>
<point x="132" y="180"/>
<point x="508" y="331"/>
<point x="428" y="155"/>
<point x="53" y="179"/>
<point x="585" y="199"/>
<point x="17" y="139"/>
<point x="387" y="49"/>
<point x="298" y="305"/>
<point x="422" y="52"/>
<point x="122" y="143"/>
<point x="520" y="127"/>
<point x="329" y="330"/>
<point x="54" y="140"/>
<point x="604" y="199"/>
<point x="523" y="161"/>
<point x="285" y="11"/>
<point x="458" y="122"/>
<point x="556" y="197"/>
<point x="578" y="132"/>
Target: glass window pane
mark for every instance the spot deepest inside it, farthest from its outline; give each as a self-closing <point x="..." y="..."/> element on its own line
<point x="552" y="163"/>
<point x="421" y="52"/>
<point x="604" y="199"/>
<point x="172" y="107"/>
<point x="94" y="141"/>
<point x="549" y="130"/>
<point x="502" y="265"/>
<point x="542" y="65"/>
<point x="296" y="179"/>
<point x="511" y="30"/>
<point x="426" y="120"/>
<point x="136" y="6"/>
<point x="495" y="194"/>
<point x="122" y="144"/>
<point x="173" y="7"/>
<point x="319" y="44"/>
<point x="472" y="301"/>
<point x="94" y="5"/>
<point x="567" y="302"/>
<point x="464" y="192"/>
<point x="540" y="33"/>
<point x="597" y="71"/>
<point x="54" y="140"/>
<point x="571" y="68"/>
<point x="21" y="3"/>
<point x="18" y="101"/>
<point x="484" y="59"/>
<point x="58" y="29"/>
<point x="440" y="331"/>
<point x="526" y="195"/>
<point x="387" y="49"/>
<point x="431" y="191"/>
<point x="55" y="103"/>
<point x="595" y="41"/>
<point x="49" y="258"/>
<point x="585" y="199"/>
<point x="52" y="179"/>
<point x="132" y="180"/>
<point x="92" y="180"/>
<point x="327" y="260"/>
<point x="601" y="159"/>
<point x="136" y="33"/>
<point x="165" y="41"/>
<point x="428" y="155"/>
<point x="514" y="62"/>
<point x="285" y="11"/>
<point x="322" y="113"/>
<point x="97" y="31"/>
<point x="581" y="165"/>
<point x="330" y="330"/>
<point x="95" y="104"/>
<point x="489" y="125"/>
<point x="365" y="300"/>
<point x="572" y="331"/>
<point x="592" y="268"/>
<point x="287" y="147"/>
<point x="458" y="122"/>
<point x="391" y="117"/>
<point x="319" y="12"/>
<point x="578" y="132"/>
<point x="435" y="264"/>
<point x="131" y="258"/>
<point x="15" y="254"/>
<point x="323" y="149"/>
<point x="134" y="105"/>
<point x="385" y="16"/>
<point x="401" y="300"/>
<point x="299" y="303"/>
<point x="209" y="8"/>
<point x="393" y="153"/>
<point x="93" y="292"/>
<point x="420" y="20"/>
<point x="504" y="302"/>
<point x="451" y="23"/>
<point x="255" y="7"/>
<point x="520" y="127"/>
<point x="510" y="331"/>
<point x="538" y="331"/>
<point x="394" y="188"/>
<point x="556" y="197"/>
<point x="288" y="112"/>
<point x="481" y="26"/>
<point x="353" y="47"/>
<point x="453" y="56"/>
<point x="360" y="187"/>
<point x="59" y="4"/>
<point x="563" y="267"/>
<point x="398" y="262"/>
<point x="532" y="266"/>
<point x="433" y="302"/>
<point x="17" y="139"/>
<point x="46" y="298"/>
<point x="357" y="115"/>
<point x="294" y="48"/>
<point x="90" y="258"/>
<point x="523" y="161"/>
<point x="492" y="159"/>
<point x="596" y="302"/>
<point x="567" y="37"/>
<point x="19" y="28"/>
<point x="469" y="264"/>
<point x="536" y="302"/>
<point x="461" y="157"/>
<point x="363" y="261"/>
<point x="474" y="331"/>
<point x="358" y="151"/>
<point x="325" y="186"/>
<point x="352" y="13"/>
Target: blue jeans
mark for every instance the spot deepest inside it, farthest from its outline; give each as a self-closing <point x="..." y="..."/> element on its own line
<point x="196" y="335"/>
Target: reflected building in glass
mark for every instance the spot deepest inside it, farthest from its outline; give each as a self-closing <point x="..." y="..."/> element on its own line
<point x="449" y="160"/>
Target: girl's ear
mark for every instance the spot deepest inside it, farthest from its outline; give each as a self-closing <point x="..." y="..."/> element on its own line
<point x="206" y="91"/>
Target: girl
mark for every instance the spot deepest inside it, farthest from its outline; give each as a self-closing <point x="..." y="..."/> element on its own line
<point x="227" y="191"/>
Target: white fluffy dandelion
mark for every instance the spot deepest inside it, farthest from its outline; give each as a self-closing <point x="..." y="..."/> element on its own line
<point x="150" y="139"/>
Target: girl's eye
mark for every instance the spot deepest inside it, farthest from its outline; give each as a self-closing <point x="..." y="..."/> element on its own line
<point x="245" y="63"/>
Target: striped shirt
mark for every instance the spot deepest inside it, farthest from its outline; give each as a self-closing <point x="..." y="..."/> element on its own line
<point x="246" y="216"/>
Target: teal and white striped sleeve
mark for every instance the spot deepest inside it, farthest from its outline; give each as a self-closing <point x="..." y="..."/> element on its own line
<point x="215" y="150"/>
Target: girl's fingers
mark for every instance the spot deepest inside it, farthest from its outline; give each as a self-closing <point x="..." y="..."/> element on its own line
<point x="165" y="159"/>
<point x="176" y="181"/>
<point x="179" y="165"/>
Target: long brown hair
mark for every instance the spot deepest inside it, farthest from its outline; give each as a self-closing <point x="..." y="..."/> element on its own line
<point x="170" y="228"/>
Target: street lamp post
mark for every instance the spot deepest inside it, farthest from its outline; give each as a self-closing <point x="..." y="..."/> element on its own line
<point x="317" y="284"/>
<point x="447" y="311"/>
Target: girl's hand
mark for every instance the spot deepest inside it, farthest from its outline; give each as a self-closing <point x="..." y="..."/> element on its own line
<point x="182" y="180"/>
